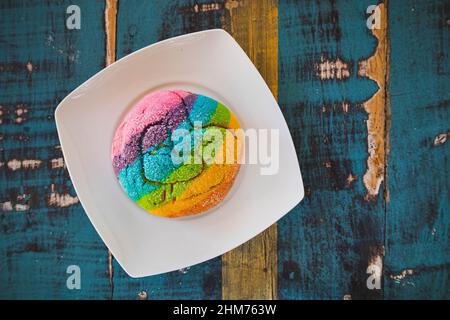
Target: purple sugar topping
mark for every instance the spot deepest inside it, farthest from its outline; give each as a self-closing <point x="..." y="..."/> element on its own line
<point x="154" y="134"/>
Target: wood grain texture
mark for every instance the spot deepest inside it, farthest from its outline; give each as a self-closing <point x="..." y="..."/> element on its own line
<point x="327" y="242"/>
<point x="43" y="227"/>
<point x="340" y="86"/>
<point x="417" y="262"/>
<point x="250" y="271"/>
<point x="110" y="30"/>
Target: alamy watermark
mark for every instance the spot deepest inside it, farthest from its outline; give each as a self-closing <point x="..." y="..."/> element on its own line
<point x="215" y="145"/>
<point x="374" y="19"/>
<point x="74" y="280"/>
<point x="73" y="21"/>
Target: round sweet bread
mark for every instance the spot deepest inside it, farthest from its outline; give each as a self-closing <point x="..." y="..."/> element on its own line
<point x="171" y="153"/>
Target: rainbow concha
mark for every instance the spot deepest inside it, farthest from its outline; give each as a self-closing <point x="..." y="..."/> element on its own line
<point x="143" y="147"/>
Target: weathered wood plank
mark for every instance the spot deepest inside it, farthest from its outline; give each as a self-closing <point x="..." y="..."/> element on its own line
<point x="326" y="244"/>
<point x="418" y="220"/>
<point x="250" y="271"/>
<point x="140" y="23"/>
<point x="43" y="227"/>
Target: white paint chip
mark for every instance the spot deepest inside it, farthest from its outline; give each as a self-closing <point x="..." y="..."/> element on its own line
<point x="57" y="163"/>
<point x="61" y="200"/>
<point x="6" y="206"/>
<point x="16" y="164"/>
<point x="21" y="207"/>
<point x="441" y="139"/>
<point x="29" y="67"/>
<point x="332" y="69"/>
<point x="402" y="275"/>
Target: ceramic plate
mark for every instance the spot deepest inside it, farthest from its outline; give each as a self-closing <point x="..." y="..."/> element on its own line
<point x="210" y="63"/>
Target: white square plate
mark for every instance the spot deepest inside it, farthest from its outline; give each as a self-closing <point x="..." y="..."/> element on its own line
<point x="210" y="63"/>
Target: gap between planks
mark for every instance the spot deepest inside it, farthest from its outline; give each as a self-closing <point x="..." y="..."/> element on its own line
<point x="110" y="57"/>
<point x="250" y="271"/>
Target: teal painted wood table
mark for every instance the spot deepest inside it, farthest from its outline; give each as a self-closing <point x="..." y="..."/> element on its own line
<point x="365" y="90"/>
